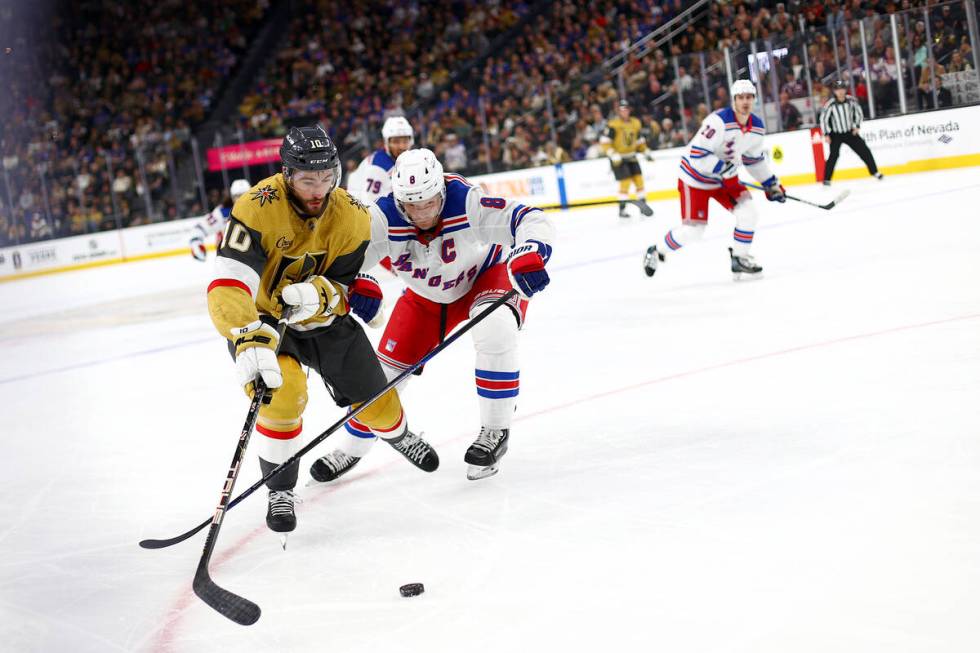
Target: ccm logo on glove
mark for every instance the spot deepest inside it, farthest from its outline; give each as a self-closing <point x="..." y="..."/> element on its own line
<point x="364" y="297"/>
<point x="525" y="267"/>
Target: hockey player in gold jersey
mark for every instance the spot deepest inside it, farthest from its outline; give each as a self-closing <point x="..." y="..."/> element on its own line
<point x="297" y="241"/>
<point x="622" y="142"/>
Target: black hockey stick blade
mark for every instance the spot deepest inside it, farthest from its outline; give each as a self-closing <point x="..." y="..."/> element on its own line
<point x="163" y="544"/>
<point x="837" y="200"/>
<point x="228" y="604"/>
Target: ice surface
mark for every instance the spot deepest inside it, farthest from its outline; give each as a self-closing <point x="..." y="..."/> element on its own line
<point x="788" y="464"/>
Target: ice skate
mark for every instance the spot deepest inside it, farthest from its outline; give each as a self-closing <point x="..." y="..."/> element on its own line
<point x="645" y="209"/>
<point x="485" y="453"/>
<point x="744" y="265"/>
<point x="652" y="259"/>
<point x="879" y="176"/>
<point x="623" y="213"/>
<point x="417" y="451"/>
<point x="281" y="516"/>
<point x="332" y="466"/>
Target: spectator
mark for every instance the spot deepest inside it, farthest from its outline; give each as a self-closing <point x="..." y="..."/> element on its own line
<point x="958" y="64"/>
<point x="884" y="72"/>
<point x="792" y="86"/>
<point x="924" y="94"/>
<point x="788" y="113"/>
<point x="454" y="156"/>
<point x="123" y="183"/>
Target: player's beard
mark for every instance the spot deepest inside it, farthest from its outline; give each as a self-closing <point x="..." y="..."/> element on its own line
<point x="303" y="206"/>
<point x="315" y="208"/>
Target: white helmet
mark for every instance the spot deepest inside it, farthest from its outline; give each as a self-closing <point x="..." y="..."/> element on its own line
<point x="416" y="177"/>
<point x="397" y="126"/>
<point x="238" y="188"/>
<point x="743" y="87"/>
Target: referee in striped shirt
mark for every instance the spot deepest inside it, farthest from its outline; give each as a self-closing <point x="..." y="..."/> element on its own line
<point x="840" y="121"/>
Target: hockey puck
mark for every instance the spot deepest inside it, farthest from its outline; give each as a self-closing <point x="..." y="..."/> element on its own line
<point x="412" y="589"/>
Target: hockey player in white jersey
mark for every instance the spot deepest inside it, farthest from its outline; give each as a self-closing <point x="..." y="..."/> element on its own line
<point x="449" y="243"/>
<point x="215" y="221"/>
<point x="372" y="179"/>
<point x="709" y="170"/>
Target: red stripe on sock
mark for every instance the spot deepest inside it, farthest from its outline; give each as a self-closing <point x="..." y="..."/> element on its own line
<point x="497" y="385"/>
<point x="279" y="435"/>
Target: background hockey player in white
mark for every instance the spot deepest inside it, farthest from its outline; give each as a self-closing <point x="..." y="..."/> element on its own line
<point x="372" y="179"/>
<point x="215" y="221"/>
<point x="446" y="239"/>
<point x="709" y="170"/>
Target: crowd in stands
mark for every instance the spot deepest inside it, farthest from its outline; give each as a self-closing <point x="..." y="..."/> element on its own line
<point x="488" y="85"/>
<point x="533" y="101"/>
<point x="89" y="83"/>
<point x="551" y="58"/>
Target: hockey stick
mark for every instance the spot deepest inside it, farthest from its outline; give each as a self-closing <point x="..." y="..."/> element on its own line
<point x="237" y="608"/>
<point x="829" y="205"/>
<point x="161" y="544"/>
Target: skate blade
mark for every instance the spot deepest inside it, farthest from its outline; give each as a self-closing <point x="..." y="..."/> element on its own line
<point x="746" y="276"/>
<point x="476" y="472"/>
<point x="650" y="262"/>
<point x="283" y="539"/>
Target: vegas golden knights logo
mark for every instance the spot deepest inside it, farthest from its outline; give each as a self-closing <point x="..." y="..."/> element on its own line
<point x="356" y="202"/>
<point x="266" y="194"/>
<point x="293" y="269"/>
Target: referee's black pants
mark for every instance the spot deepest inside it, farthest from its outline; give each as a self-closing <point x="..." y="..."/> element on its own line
<point x="854" y="142"/>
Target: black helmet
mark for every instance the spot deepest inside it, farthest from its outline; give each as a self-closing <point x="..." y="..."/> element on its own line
<point x="308" y="148"/>
<point x="840" y="83"/>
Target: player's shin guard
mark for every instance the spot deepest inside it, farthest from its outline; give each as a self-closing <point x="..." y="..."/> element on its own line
<point x="497" y="373"/>
<point x="683" y="235"/>
<point x="277" y="442"/>
<point x="357" y="439"/>
<point x="745" y="221"/>
<point x="384" y="417"/>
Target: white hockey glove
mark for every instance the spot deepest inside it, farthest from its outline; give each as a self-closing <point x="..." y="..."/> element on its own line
<point x="314" y="298"/>
<point x="615" y="157"/>
<point x="255" y="357"/>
